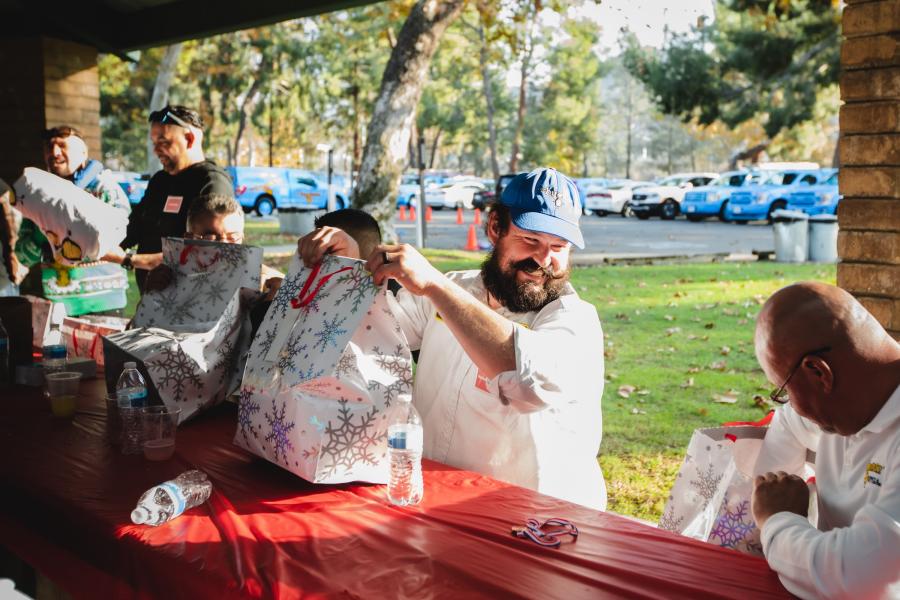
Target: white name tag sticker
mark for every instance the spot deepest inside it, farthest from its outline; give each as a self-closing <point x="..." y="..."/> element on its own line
<point x="173" y="204"/>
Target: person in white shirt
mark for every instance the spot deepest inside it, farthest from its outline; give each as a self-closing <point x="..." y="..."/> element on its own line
<point x="510" y="375"/>
<point x="841" y="373"/>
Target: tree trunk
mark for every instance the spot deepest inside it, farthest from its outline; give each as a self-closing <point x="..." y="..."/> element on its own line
<point x="242" y="122"/>
<point x="434" y="148"/>
<point x="160" y="95"/>
<point x="489" y="104"/>
<point x="388" y="133"/>
<point x="628" y="126"/>
<point x="523" y="86"/>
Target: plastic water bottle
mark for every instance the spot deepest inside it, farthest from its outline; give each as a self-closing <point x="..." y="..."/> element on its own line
<point x="405" y="451"/>
<point x="5" y="374"/>
<point x="54" y="350"/>
<point x="131" y="389"/>
<point x="164" y="502"/>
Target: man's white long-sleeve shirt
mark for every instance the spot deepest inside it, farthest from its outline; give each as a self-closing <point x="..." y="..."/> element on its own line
<point x="538" y="426"/>
<point x="855" y="551"/>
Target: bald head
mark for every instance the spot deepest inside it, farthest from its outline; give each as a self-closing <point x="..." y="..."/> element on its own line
<point x="824" y="330"/>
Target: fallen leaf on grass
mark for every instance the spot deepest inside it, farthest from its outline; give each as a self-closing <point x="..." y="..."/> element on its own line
<point x="728" y="312"/>
<point x="692" y="336"/>
<point x="725" y="351"/>
<point x="702" y="412"/>
<point x="668" y="317"/>
<point x="728" y="398"/>
<point x="761" y="401"/>
<point x="709" y="326"/>
<point x="742" y="321"/>
<point x="672" y="331"/>
<point x="719" y="365"/>
<point x="694" y="370"/>
<point x="635" y="411"/>
<point x="643" y="392"/>
<point x="688" y="383"/>
<point x="622" y="316"/>
<point x="626" y="390"/>
<point x="642" y="284"/>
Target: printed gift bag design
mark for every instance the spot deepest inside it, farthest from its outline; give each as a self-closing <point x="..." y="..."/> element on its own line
<point x="710" y="500"/>
<point x="193" y="336"/>
<point x="324" y="370"/>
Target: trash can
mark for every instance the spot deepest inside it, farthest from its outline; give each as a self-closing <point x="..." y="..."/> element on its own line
<point x="791" y="228"/>
<point x="296" y="220"/>
<point x="823" y="233"/>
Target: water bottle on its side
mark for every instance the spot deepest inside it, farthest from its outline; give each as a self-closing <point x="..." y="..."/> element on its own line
<point x="164" y="502"/>
<point x="5" y="362"/>
<point x="54" y="350"/>
<point x="131" y="389"/>
<point x="405" y="438"/>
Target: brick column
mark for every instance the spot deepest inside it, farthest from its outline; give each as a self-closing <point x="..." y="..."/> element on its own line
<point x="869" y="214"/>
<point x="45" y="82"/>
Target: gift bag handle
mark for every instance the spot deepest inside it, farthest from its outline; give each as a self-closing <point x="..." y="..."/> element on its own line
<point x="188" y="250"/>
<point x="302" y="300"/>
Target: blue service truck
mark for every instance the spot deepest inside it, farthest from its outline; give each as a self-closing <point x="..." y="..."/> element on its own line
<point x="758" y="201"/>
<point x="820" y="199"/>
<point x="263" y="189"/>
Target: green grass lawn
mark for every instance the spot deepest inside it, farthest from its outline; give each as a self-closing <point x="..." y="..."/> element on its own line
<point x="677" y="337"/>
<point x="266" y="233"/>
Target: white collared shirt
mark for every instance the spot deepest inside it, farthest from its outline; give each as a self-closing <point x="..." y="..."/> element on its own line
<point x="855" y="551"/>
<point x="538" y="426"/>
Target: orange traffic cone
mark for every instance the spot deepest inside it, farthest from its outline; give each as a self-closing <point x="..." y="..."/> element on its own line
<point x="477" y="216"/>
<point x="459" y="215"/>
<point x="412" y="213"/>
<point x="402" y="213"/>
<point x="472" y="242"/>
<point x="428" y="214"/>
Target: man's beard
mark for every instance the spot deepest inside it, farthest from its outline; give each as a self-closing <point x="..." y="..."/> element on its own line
<point x="519" y="296"/>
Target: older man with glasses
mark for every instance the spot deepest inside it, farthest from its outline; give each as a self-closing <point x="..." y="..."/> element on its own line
<point x="177" y="135"/>
<point x="839" y="372"/>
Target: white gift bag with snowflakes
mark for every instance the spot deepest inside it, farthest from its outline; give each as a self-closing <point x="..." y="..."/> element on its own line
<point x="192" y="337"/>
<point x="325" y="369"/>
<point x="710" y="500"/>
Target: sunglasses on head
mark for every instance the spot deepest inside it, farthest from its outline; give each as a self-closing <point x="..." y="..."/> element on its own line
<point x="780" y="395"/>
<point x="169" y="118"/>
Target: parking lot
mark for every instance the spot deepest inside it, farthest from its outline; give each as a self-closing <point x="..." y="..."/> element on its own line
<point x="617" y="237"/>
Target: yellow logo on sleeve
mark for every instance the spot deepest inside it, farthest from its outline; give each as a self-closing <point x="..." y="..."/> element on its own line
<point x="873" y="474"/>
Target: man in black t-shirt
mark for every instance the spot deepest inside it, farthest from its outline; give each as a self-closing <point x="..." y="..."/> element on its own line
<point x="177" y="135"/>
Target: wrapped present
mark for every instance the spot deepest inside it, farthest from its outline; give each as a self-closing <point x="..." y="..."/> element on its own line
<point x="87" y="287"/>
<point x="83" y="335"/>
<point x="192" y="338"/>
<point x="710" y="500"/>
<point x="79" y="226"/>
<point x="325" y="369"/>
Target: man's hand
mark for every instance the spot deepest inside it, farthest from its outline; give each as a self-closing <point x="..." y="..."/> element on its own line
<point x="158" y="279"/>
<point x="326" y="240"/>
<point x="406" y="265"/>
<point x="271" y="287"/>
<point x="778" y="492"/>
<point x="116" y="255"/>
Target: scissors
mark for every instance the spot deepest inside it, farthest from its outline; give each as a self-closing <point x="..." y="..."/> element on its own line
<point x="534" y="530"/>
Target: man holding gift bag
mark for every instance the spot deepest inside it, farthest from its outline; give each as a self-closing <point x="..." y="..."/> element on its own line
<point x="841" y="371"/>
<point x="510" y="374"/>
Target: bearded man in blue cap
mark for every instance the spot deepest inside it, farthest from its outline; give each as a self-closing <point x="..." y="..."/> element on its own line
<point x="510" y="371"/>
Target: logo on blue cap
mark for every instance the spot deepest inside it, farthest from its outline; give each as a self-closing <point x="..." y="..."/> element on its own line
<point x="545" y="201"/>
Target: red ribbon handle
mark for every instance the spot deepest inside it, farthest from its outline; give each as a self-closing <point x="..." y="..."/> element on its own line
<point x="761" y="423"/>
<point x="303" y="299"/>
<point x="188" y="250"/>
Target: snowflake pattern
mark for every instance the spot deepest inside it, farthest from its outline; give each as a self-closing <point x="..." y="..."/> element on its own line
<point x="247" y="407"/>
<point x="346" y="364"/>
<point x="361" y="289"/>
<point x="308" y="374"/>
<point x="348" y="443"/>
<point x="233" y="255"/>
<point x="329" y="332"/>
<point x="279" y="431"/>
<point x="265" y="344"/>
<point x="733" y="526"/>
<point x="227" y="353"/>
<point x="399" y="367"/>
<point x="289" y="289"/>
<point x="668" y="520"/>
<point x="287" y="358"/>
<point x="706" y="484"/>
<point x="178" y="372"/>
<point x="214" y="293"/>
<point x="199" y="281"/>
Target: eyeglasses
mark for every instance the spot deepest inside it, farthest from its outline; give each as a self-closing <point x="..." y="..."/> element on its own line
<point x="780" y="396"/>
<point x="230" y="238"/>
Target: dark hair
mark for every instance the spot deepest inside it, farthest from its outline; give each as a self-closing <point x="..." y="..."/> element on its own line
<point x="61" y="131"/>
<point x="213" y="204"/>
<point x="358" y="224"/>
<point x="181" y="113"/>
<point x="504" y="218"/>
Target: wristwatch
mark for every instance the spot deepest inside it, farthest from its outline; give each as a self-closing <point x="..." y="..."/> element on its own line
<point x="126" y="262"/>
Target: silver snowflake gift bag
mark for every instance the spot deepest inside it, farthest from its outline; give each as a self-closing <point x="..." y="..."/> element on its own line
<point x="324" y="372"/>
<point x="192" y="338"/>
<point x="710" y="500"/>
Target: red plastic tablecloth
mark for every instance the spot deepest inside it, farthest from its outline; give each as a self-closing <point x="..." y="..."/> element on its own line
<point x="268" y="534"/>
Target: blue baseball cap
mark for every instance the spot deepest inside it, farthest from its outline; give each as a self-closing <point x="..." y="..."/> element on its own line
<point x="545" y="201"/>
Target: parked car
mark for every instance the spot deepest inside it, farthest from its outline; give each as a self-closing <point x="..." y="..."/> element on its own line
<point x="711" y="200"/>
<point x="613" y="197"/>
<point x="453" y="194"/>
<point x="409" y="187"/>
<point x="132" y="183"/>
<point x="759" y="200"/>
<point x="584" y="184"/>
<point x="819" y="199"/>
<point x="664" y="198"/>
<point x="483" y="198"/>
<point x="263" y="189"/>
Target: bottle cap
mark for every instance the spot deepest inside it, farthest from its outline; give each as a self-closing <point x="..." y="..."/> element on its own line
<point x="130" y="365"/>
<point x="140" y="515"/>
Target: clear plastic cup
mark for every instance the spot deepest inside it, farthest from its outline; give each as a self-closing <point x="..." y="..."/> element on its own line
<point x="113" y="421"/>
<point x="160" y="423"/>
<point x="62" y="387"/>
